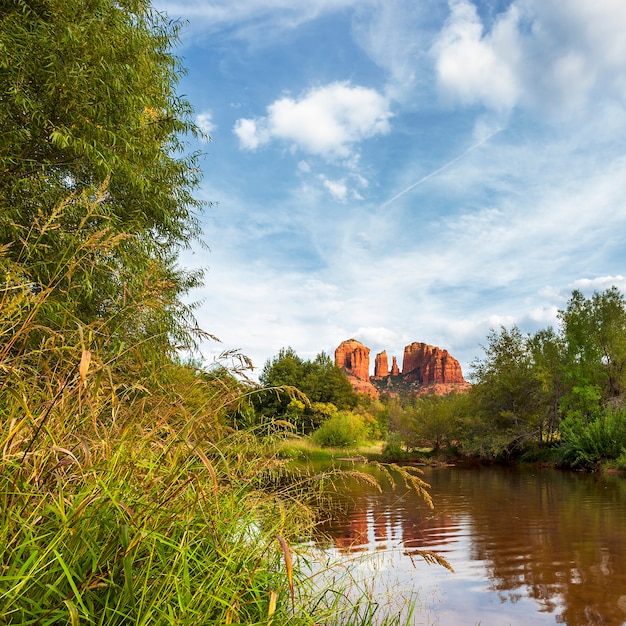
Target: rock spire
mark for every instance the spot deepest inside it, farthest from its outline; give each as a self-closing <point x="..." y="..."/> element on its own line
<point x="425" y="369"/>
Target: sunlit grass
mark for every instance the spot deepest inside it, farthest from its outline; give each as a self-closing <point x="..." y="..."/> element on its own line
<point x="305" y="448"/>
<point x="124" y="498"/>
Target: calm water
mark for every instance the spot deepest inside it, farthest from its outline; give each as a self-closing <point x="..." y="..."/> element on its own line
<point x="527" y="546"/>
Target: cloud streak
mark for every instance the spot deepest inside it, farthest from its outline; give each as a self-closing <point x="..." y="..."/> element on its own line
<point x="440" y="169"/>
<point x="304" y="252"/>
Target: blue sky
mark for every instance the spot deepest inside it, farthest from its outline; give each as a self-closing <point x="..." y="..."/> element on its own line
<point x="403" y="170"/>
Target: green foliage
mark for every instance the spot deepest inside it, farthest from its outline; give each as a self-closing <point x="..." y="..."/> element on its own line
<point x="480" y="439"/>
<point x="436" y="421"/>
<point x="397" y="417"/>
<point x="594" y="330"/>
<point x="547" y="349"/>
<point x="342" y="430"/>
<point x="531" y="390"/>
<point x="320" y="380"/>
<point x="91" y="159"/>
<point x="587" y="443"/>
<point x="378" y="411"/>
<point x="286" y="368"/>
<point x="118" y="506"/>
<point x="620" y="462"/>
<point x="114" y="555"/>
<point x="89" y="93"/>
<point x="146" y="322"/>
<point x="507" y="388"/>
<point x="323" y="386"/>
<point x="394" y="448"/>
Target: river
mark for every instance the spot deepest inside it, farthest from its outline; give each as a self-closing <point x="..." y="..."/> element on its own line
<point x="528" y="546"/>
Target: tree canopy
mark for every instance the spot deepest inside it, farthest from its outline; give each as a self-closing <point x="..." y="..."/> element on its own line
<point x="594" y="331"/>
<point x="325" y="386"/>
<point x="561" y="389"/>
<point x="96" y="186"/>
<point x="320" y="379"/>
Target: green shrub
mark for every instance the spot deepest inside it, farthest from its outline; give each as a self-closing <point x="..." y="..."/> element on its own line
<point x="343" y="430"/>
<point x="393" y="450"/>
<point x="586" y="444"/>
<point x="620" y="462"/>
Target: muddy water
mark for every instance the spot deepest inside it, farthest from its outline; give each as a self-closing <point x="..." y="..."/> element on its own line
<point x="527" y="546"/>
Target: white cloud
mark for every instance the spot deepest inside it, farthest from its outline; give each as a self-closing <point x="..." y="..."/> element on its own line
<point x="548" y="54"/>
<point x="251" y="134"/>
<point x="473" y="67"/>
<point x="600" y="283"/>
<point x="545" y="315"/>
<point x="379" y="335"/>
<point x="204" y="120"/>
<point x="319" y="288"/>
<point x="337" y="188"/>
<point x="326" y="120"/>
<point x="344" y="188"/>
<point x="495" y="321"/>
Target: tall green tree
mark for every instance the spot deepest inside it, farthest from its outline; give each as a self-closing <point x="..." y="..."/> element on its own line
<point x="435" y="421"/>
<point x="286" y="368"/>
<point x="93" y="163"/>
<point x="325" y="386"/>
<point x="547" y="350"/>
<point x="594" y="331"/>
<point x="325" y="382"/>
<point x="320" y="379"/>
<point x="506" y="397"/>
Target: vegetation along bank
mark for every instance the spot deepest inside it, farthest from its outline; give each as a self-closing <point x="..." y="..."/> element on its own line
<point x="136" y="487"/>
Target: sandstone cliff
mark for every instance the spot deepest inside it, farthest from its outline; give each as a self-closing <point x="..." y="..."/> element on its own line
<point x="381" y="365"/>
<point x="429" y="365"/>
<point x="354" y="358"/>
<point x="425" y="369"/>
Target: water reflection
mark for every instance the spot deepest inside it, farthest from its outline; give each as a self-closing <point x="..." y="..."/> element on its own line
<point x="528" y="547"/>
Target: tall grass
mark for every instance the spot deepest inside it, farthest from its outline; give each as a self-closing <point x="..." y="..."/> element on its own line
<point x="123" y="499"/>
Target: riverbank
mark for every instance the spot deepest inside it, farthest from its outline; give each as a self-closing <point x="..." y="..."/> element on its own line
<point x="303" y="448"/>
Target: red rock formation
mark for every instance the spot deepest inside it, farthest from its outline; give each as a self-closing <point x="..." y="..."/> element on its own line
<point x="429" y="365"/>
<point x="395" y="370"/>
<point x="425" y="369"/>
<point x="354" y="358"/>
<point x="381" y="365"/>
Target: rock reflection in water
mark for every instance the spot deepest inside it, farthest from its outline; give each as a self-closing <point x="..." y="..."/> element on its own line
<point x="528" y="547"/>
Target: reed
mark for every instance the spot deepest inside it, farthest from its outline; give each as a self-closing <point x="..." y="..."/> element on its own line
<point x="124" y="498"/>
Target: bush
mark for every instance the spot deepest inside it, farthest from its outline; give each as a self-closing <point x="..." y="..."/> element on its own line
<point x="393" y="450"/>
<point x="343" y="430"/>
<point x="586" y="444"/>
<point x="620" y="462"/>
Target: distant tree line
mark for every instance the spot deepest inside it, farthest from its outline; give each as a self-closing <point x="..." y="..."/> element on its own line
<point x="559" y="392"/>
<point x="311" y="397"/>
<point x="556" y="394"/>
